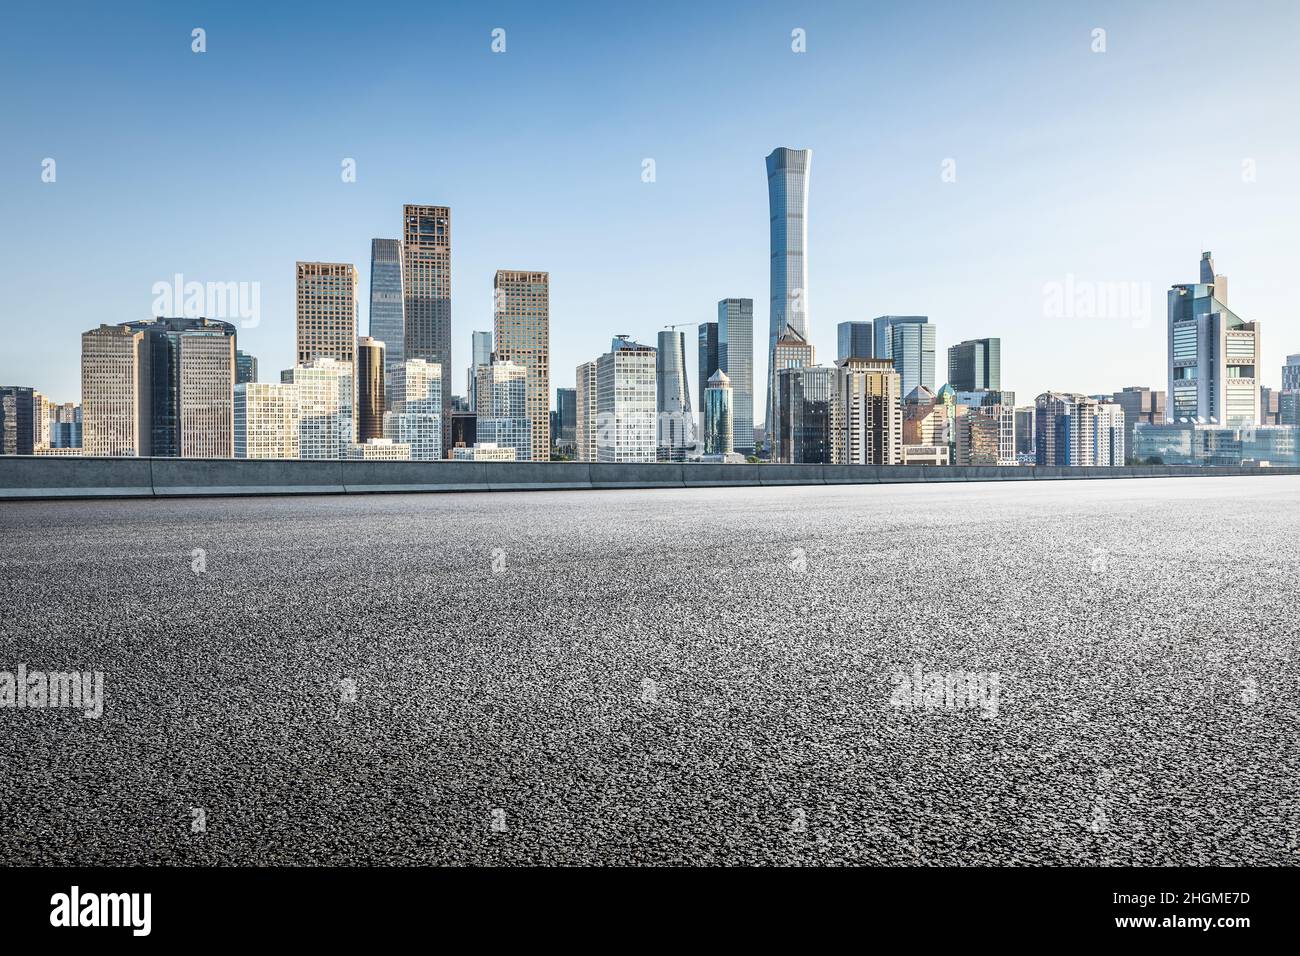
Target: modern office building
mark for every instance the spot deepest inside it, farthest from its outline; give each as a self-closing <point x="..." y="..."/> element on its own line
<point x="206" y="347"/>
<point x="327" y="311"/>
<point x="370" y="402"/>
<point x="522" y="334"/>
<point x="925" y="455"/>
<point x="245" y="367"/>
<point x="1025" y="435"/>
<point x="854" y="341"/>
<point x="787" y="199"/>
<point x="706" y="356"/>
<point x="464" y="430"/>
<point x="504" y="407"/>
<point x="1270" y="406"/>
<point x="415" y="416"/>
<point x="426" y="293"/>
<point x="566" y="415"/>
<point x="976" y="365"/>
<point x="925" y="419"/>
<point x="1213" y="355"/>
<point x="115" y="393"/>
<point x="586" y="428"/>
<point x="206" y="391"/>
<point x="65" y="425"/>
<point x="387" y="323"/>
<point x="718" y="414"/>
<point x="379" y="449"/>
<point x="483" y="451"/>
<point x="480" y="350"/>
<point x="871" y="412"/>
<point x="266" y="420"/>
<point x="985" y="435"/>
<point x="808" y="416"/>
<point x="983" y="397"/>
<point x="18" y="416"/>
<point x="325" y="408"/>
<point x="1185" y="443"/>
<point x="625" y="403"/>
<point x="1288" y="407"/>
<point x="736" y="358"/>
<point x="674" y="423"/>
<point x="793" y="351"/>
<point x="909" y="342"/>
<point x="1078" y="430"/>
<point x="1291" y="374"/>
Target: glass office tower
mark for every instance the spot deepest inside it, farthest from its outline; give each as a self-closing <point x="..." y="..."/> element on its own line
<point x="787" y="199"/>
<point x="386" y="322"/>
<point x="736" y="358"/>
<point x="975" y="365"/>
<point x="854" y="341"/>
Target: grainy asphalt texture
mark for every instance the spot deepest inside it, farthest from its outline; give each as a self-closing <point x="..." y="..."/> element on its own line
<point x="670" y="677"/>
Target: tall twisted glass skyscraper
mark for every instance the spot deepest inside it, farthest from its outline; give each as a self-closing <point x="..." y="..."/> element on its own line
<point x="787" y="198"/>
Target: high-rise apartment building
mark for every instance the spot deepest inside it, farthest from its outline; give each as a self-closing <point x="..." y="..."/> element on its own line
<point x="325" y="408"/>
<point x="717" y="414"/>
<point x="387" y="323"/>
<point x="370" y="402"/>
<point x="1078" y="430"/>
<point x="706" y="355"/>
<point x="18" y="415"/>
<point x="586" y="426"/>
<point x="266" y="420"/>
<point x="871" y="412"/>
<point x="736" y="358"/>
<point x="521" y="334"/>
<point x="415" y="418"/>
<point x="426" y="293"/>
<point x="1213" y="354"/>
<point x="854" y="341"/>
<point x="787" y="199"/>
<point x="675" y="425"/>
<point x="480" y="354"/>
<point x="327" y="311"/>
<point x="115" y="395"/>
<point x="809" y="430"/>
<point x="975" y="365"/>
<point x="505" y="407"/>
<point x="245" y="367"/>
<point x="625" y="403"/>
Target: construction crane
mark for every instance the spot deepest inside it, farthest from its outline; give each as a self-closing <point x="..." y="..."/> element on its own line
<point x="678" y="325"/>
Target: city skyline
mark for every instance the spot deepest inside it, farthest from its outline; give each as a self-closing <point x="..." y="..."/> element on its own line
<point x="992" y="236"/>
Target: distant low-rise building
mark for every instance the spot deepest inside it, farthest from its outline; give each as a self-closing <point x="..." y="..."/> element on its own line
<point x="1186" y="443"/>
<point x="925" y="455"/>
<point x="380" y="449"/>
<point x="484" y="451"/>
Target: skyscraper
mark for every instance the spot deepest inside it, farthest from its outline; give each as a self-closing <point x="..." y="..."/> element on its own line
<point x="871" y="412"/>
<point x="245" y="367"/>
<point x="327" y="311"/>
<point x="1213" y="354"/>
<point x="808" y="429"/>
<point x="1078" y="430"/>
<point x="717" y="414"/>
<point x="370" y="389"/>
<point x="566" y="413"/>
<point x="426" y="293"/>
<point x="415" y="418"/>
<point x="504" y="408"/>
<point x="707" y="355"/>
<point x="625" y="403"/>
<point x="115" y="392"/>
<point x="480" y="350"/>
<point x="522" y="334"/>
<point x="787" y="199"/>
<point x="854" y="340"/>
<point x="975" y="365"/>
<point x="387" y="324"/>
<point x="736" y="358"/>
<point x="206" y="391"/>
<point x="675" y="426"/>
<point x="1291" y="374"/>
<point x="792" y="351"/>
<point x="17" y="420"/>
<point x="325" y="416"/>
<point x="909" y="341"/>
<point x="585" y="427"/>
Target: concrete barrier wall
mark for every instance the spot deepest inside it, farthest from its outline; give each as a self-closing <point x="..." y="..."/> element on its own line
<point x="57" y="477"/>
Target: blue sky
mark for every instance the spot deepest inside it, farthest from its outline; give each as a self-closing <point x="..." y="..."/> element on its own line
<point x="1113" y="168"/>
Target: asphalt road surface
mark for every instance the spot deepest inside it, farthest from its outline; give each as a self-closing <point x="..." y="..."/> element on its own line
<point x="1108" y="673"/>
